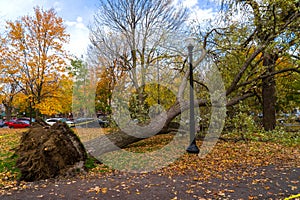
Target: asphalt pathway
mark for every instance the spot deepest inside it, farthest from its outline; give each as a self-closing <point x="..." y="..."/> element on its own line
<point x="267" y="182"/>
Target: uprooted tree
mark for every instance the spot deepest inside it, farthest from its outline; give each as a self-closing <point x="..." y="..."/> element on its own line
<point x="138" y="46"/>
<point x="48" y="152"/>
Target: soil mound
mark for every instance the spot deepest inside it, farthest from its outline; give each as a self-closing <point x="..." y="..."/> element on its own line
<point x="47" y="152"/>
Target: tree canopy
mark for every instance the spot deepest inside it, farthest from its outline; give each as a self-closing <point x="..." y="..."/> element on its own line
<point x="253" y="44"/>
<point x="34" y="61"/>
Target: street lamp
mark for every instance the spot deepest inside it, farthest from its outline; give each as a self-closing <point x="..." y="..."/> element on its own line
<point x="192" y="148"/>
<point x="157" y="64"/>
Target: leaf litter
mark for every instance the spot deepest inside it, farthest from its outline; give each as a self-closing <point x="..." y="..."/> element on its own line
<point x="228" y="161"/>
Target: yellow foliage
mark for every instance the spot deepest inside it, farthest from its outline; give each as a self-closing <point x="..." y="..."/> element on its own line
<point x="49" y="106"/>
<point x="35" y="61"/>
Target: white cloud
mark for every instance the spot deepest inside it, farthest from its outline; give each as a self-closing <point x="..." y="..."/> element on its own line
<point x="79" y="33"/>
<point x="199" y="14"/>
<point x="57" y="6"/>
<point x="79" y="37"/>
<point x="79" y="19"/>
<point x="9" y="11"/>
<point x="189" y="3"/>
<point x="200" y="10"/>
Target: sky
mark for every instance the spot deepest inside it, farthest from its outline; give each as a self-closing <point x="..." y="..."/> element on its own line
<point x="78" y="15"/>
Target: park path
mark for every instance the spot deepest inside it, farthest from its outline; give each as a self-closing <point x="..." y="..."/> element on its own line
<point x="264" y="182"/>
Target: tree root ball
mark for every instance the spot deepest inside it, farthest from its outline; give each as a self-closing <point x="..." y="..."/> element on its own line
<point x="48" y="152"/>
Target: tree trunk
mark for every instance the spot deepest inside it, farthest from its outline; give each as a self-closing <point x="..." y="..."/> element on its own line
<point x="269" y="93"/>
<point x="8" y="111"/>
<point x="117" y="140"/>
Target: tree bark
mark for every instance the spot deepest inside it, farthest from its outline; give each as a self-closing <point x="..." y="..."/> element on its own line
<point x="269" y="92"/>
<point x="119" y="139"/>
<point x="8" y="111"/>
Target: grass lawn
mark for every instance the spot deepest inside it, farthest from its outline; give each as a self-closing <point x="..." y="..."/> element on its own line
<point x="260" y="149"/>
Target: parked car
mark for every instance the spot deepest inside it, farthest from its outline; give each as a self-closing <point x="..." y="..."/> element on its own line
<point x="296" y="113"/>
<point x="83" y="120"/>
<point x="52" y="121"/>
<point x="7" y="123"/>
<point x="2" y="124"/>
<point x="18" y="124"/>
<point x="26" y="119"/>
<point x="86" y="122"/>
<point x="103" y="121"/>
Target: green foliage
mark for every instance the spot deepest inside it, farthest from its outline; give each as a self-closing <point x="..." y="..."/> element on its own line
<point x="83" y="89"/>
<point x="293" y="95"/>
<point x="240" y="121"/>
<point x="279" y="136"/>
<point x="78" y="69"/>
<point x="244" y="126"/>
<point x="159" y="94"/>
<point x="138" y="108"/>
<point x="154" y="98"/>
<point x="90" y="163"/>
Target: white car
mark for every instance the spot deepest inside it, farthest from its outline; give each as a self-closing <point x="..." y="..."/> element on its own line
<point x="52" y="121"/>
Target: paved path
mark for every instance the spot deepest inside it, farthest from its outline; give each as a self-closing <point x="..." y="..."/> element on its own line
<point x="269" y="182"/>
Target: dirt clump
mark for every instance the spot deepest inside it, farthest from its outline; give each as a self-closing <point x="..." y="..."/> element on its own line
<point x="49" y="151"/>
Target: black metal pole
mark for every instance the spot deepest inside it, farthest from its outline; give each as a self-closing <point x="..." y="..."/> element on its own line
<point x="158" y="95"/>
<point x="192" y="148"/>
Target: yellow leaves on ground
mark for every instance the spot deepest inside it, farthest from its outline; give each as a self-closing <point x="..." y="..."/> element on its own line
<point x="98" y="189"/>
<point x="9" y="139"/>
<point x="240" y="157"/>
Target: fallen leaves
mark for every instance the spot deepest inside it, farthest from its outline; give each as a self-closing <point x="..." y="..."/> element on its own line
<point x="189" y="191"/>
<point x="227" y="161"/>
<point x="239" y="156"/>
<point x="97" y="190"/>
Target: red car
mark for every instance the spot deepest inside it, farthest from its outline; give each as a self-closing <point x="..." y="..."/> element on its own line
<point x="18" y="124"/>
<point x="7" y="123"/>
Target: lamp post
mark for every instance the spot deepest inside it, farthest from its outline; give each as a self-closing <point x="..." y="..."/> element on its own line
<point x="192" y="148"/>
<point x="158" y="98"/>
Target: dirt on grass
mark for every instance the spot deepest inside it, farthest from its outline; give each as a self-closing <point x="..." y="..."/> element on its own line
<point x="49" y="151"/>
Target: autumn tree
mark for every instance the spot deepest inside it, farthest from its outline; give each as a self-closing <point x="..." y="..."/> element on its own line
<point x="288" y="90"/>
<point x="36" y="53"/>
<point x="10" y="82"/>
<point x="248" y="49"/>
<point x="130" y="33"/>
<point x="279" y="21"/>
<point x="108" y="77"/>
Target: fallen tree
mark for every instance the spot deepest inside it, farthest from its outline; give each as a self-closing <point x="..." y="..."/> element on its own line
<point x="47" y="152"/>
<point x="162" y="123"/>
<point x="120" y="139"/>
